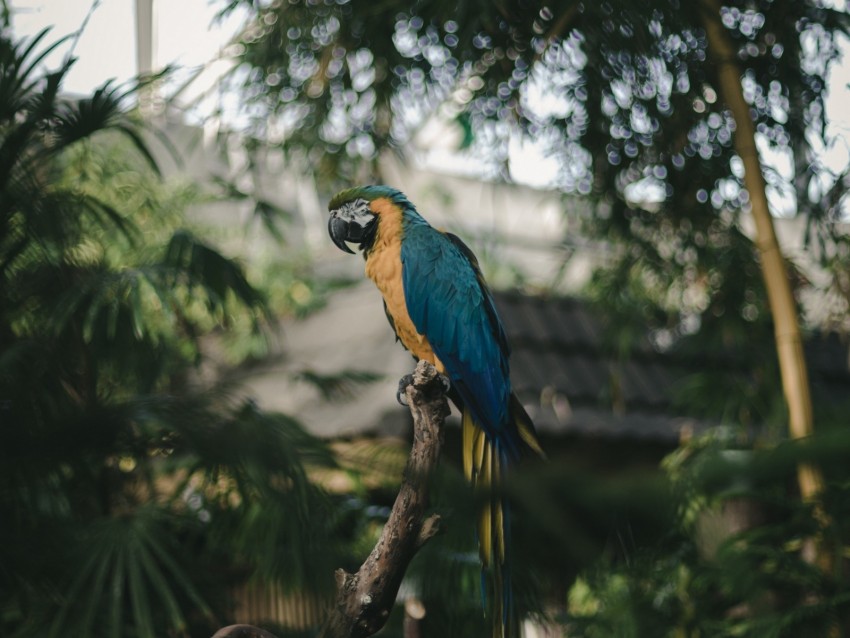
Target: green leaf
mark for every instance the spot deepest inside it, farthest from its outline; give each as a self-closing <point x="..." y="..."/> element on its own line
<point x="177" y="575"/>
<point x="116" y="598"/>
<point x="206" y="267"/>
<point x="94" y="594"/>
<point x="108" y="217"/>
<point x="141" y="146"/>
<point x="271" y="215"/>
<point x="340" y="386"/>
<point x="138" y="590"/>
<point x="137" y="307"/>
<point x="91" y="564"/>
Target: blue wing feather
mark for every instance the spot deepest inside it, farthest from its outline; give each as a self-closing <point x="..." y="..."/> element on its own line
<point x="449" y="304"/>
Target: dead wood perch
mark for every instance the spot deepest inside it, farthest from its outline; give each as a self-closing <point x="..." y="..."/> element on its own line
<point x="364" y="599"/>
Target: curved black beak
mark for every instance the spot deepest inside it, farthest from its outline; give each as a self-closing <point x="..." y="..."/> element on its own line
<point x="338" y="230"/>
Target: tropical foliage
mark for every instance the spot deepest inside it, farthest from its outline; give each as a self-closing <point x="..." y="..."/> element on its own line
<point x="133" y="492"/>
<point x="738" y="560"/>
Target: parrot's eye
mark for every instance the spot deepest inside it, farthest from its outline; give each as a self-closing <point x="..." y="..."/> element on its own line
<point x="356" y="208"/>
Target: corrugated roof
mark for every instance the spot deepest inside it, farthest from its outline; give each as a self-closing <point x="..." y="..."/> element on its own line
<point x="571" y="383"/>
<point x="561" y="369"/>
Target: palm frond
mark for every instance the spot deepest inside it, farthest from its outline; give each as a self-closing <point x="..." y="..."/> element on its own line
<point x="134" y="556"/>
<point x="339" y="386"/>
<point x="268" y="213"/>
<point x="141" y="146"/>
<point x="25" y="80"/>
<point x="246" y="474"/>
<point x="126" y="487"/>
<point x="104" y="110"/>
<point x="18" y="81"/>
<point x="217" y="275"/>
<point x="109" y="218"/>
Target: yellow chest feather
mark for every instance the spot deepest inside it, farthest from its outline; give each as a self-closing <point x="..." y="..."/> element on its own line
<point x="383" y="266"/>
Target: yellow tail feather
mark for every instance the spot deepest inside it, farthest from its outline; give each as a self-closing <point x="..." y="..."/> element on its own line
<point x="498" y="522"/>
<point x="483" y="467"/>
<point x="525" y="427"/>
<point x="469" y="433"/>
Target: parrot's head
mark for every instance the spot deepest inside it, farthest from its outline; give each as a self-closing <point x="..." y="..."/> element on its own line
<point x="356" y="213"/>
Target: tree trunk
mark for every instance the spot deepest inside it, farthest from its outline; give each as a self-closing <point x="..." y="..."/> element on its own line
<point x="789" y="344"/>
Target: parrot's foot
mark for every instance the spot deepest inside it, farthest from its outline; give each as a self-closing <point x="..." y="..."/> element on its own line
<point x="406" y="380"/>
<point x="401" y="393"/>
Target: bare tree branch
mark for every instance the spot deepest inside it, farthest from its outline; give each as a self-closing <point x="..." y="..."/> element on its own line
<point x="364" y="599"/>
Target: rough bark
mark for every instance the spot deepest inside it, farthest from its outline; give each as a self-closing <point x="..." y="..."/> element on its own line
<point x="364" y="599"/>
<point x="783" y="308"/>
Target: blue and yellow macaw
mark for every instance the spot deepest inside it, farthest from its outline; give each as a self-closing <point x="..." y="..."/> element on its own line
<point x="441" y="310"/>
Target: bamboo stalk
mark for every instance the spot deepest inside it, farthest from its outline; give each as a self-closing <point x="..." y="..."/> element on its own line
<point x="789" y="343"/>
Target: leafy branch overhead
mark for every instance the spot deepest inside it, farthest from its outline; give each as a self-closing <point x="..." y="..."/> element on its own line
<point x="270" y="214"/>
<point x="620" y="95"/>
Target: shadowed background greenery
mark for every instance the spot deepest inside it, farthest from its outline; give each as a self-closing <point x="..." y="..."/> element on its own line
<point x="135" y="494"/>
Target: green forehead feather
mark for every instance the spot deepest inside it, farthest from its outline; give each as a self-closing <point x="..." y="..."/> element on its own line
<point x="369" y="193"/>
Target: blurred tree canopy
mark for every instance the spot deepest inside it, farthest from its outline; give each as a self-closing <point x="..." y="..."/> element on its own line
<point x="620" y="95"/>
